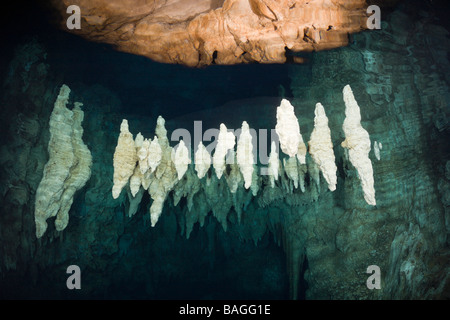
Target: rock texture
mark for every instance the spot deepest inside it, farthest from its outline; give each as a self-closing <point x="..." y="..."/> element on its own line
<point x="377" y="146"/>
<point x="357" y="142"/>
<point x="393" y="76"/>
<point x="225" y="142"/>
<point x="125" y="159"/>
<point x="154" y="154"/>
<point x="274" y="164"/>
<point x="181" y="159"/>
<point x="216" y="31"/>
<point x="288" y="130"/>
<point x="202" y="161"/>
<point x="244" y="154"/>
<point x="68" y="168"/>
<point x="321" y="147"/>
<point x="240" y="164"/>
<point x="143" y="155"/>
<point x="165" y="175"/>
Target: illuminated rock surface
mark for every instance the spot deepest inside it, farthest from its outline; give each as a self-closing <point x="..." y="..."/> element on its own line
<point x="68" y="168"/>
<point x="218" y="32"/>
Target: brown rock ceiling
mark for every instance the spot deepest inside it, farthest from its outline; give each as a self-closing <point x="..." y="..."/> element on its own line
<point x="203" y="32"/>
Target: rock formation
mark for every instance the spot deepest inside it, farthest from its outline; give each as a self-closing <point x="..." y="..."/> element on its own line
<point x="218" y="32"/>
<point x="125" y="159"/>
<point x="274" y="164"/>
<point x="321" y="147"/>
<point x="202" y="161"/>
<point x="377" y="146"/>
<point x="68" y="168"/>
<point x="165" y="176"/>
<point x="154" y="154"/>
<point x="220" y="198"/>
<point x="328" y="238"/>
<point x="244" y="155"/>
<point x="234" y="178"/>
<point x="143" y="155"/>
<point x="288" y="130"/>
<point x="181" y="159"/>
<point x="357" y="142"/>
<point x="291" y="170"/>
<point x="225" y="142"/>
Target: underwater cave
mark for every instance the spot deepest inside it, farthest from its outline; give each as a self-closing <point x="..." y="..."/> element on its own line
<point x="171" y="158"/>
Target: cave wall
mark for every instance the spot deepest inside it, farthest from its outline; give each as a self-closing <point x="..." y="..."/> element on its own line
<point x="399" y="81"/>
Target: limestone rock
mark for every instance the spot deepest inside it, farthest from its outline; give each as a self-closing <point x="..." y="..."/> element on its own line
<point x="290" y="167"/>
<point x="234" y="179"/>
<point x="274" y="164"/>
<point x="125" y="159"/>
<point x="288" y="130"/>
<point x="146" y="179"/>
<point x="143" y="155"/>
<point x="218" y="198"/>
<point x="218" y="32"/>
<point x="244" y="154"/>
<point x="165" y="176"/>
<point x="314" y="174"/>
<point x="136" y="181"/>
<point x="188" y="187"/>
<point x="302" y="170"/>
<point x="202" y="161"/>
<point x="139" y="140"/>
<point x="377" y="146"/>
<point x="225" y="142"/>
<point x="68" y="168"/>
<point x="181" y="159"/>
<point x="134" y="201"/>
<point x="154" y="154"/>
<point x="321" y="147"/>
<point x="357" y="142"/>
<point x="301" y="152"/>
<point x="256" y="181"/>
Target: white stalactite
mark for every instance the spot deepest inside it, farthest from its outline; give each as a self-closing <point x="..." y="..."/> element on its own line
<point x="254" y="187"/>
<point x="377" y="146"/>
<point x="321" y="147"/>
<point x="154" y="154"/>
<point x="159" y="169"/>
<point x="181" y="159"/>
<point x="291" y="169"/>
<point x="143" y="153"/>
<point x="68" y="167"/>
<point x="244" y="154"/>
<point x="288" y="130"/>
<point x="139" y="140"/>
<point x="202" y="160"/>
<point x="165" y="176"/>
<point x="301" y="153"/>
<point x="357" y="142"/>
<point x="274" y="164"/>
<point x="225" y="142"/>
<point x="135" y="181"/>
<point x="234" y="178"/>
<point x="125" y="159"/>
